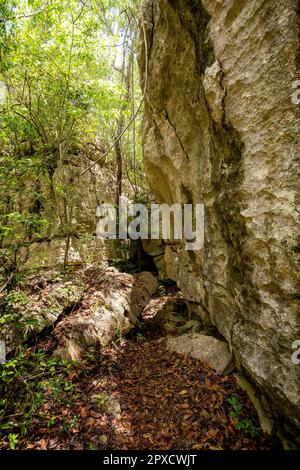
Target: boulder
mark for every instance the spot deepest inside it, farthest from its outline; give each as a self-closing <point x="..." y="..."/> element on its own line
<point x="266" y="421"/>
<point x="207" y="349"/>
<point x="117" y="304"/>
<point x="39" y="310"/>
<point x="173" y="315"/>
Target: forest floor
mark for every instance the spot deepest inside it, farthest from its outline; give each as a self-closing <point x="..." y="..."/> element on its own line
<point x="138" y="395"/>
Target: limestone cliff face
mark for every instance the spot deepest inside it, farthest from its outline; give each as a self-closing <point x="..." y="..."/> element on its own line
<point x="220" y="128"/>
<point x="77" y="211"/>
<point x="69" y="208"/>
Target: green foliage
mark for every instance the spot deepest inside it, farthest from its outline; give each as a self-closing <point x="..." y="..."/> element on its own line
<point x="11" y="316"/>
<point x="119" y="337"/>
<point x="92" y="447"/>
<point x="126" y="265"/>
<point x="25" y="381"/>
<point x="182" y="330"/>
<point x="13" y="440"/>
<point x="68" y="424"/>
<point x="248" y="427"/>
<point x="51" y="422"/>
<point x="16" y="297"/>
<point x="140" y="338"/>
<point x="62" y="95"/>
<point x="237" y="407"/>
<point x="141" y="199"/>
<point x="243" y="424"/>
<point x="100" y="400"/>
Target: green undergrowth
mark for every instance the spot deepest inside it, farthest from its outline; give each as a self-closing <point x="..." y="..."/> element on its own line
<point x="27" y="382"/>
<point x="240" y="423"/>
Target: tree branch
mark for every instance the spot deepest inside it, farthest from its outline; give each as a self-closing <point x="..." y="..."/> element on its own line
<point x="139" y="107"/>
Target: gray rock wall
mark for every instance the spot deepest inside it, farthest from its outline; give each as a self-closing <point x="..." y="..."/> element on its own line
<point x="220" y="128"/>
<point x="69" y="208"/>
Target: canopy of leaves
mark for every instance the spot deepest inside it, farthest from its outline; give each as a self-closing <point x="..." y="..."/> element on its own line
<point x="62" y="88"/>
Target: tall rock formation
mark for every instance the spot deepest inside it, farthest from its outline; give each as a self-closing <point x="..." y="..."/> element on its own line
<point x="220" y="128"/>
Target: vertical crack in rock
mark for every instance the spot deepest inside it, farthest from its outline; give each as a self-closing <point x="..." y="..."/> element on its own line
<point x="196" y="22"/>
<point x="165" y="112"/>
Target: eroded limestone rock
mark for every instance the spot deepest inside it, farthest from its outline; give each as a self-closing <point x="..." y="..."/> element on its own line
<point x="220" y="128"/>
<point x="38" y="310"/>
<point x="207" y="349"/>
<point x="109" y="314"/>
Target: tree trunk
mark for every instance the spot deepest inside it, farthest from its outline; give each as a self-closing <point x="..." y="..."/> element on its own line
<point x="126" y="72"/>
<point x="119" y="160"/>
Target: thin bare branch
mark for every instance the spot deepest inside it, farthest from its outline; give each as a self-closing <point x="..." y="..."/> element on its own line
<point x="138" y="108"/>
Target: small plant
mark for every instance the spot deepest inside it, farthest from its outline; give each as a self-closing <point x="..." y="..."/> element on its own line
<point x="119" y="337"/>
<point x="100" y="400"/>
<point x="10" y="315"/>
<point x="182" y="330"/>
<point x="69" y="387"/>
<point x="89" y="357"/>
<point x="69" y="424"/>
<point x="245" y="424"/>
<point x="140" y="338"/>
<point x="92" y="447"/>
<point x="141" y="199"/>
<point x="27" y="326"/>
<point x="236" y="407"/>
<point x="13" y="440"/>
<point x="51" y="422"/>
<point x="69" y="269"/>
<point x="29" y="379"/>
<point x="16" y="297"/>
<point x="57" y="277"/>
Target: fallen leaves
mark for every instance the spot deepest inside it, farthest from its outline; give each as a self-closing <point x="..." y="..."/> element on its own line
<point x="84" y="412"/>
<point x="43" y="444"/>
<point x="166" y="402"/>
<point x="211" y="433"/>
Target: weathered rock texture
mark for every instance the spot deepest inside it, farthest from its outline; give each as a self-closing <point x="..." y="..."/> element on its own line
<point x="220" y="128"/>
<point x="110" y="310"/>
<point x="74" y="213"/>
<point x="68" y="209"/>
<point x="204" y="348"/>
<point x="40" y="306"/>
<point x="88" y="309"/>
